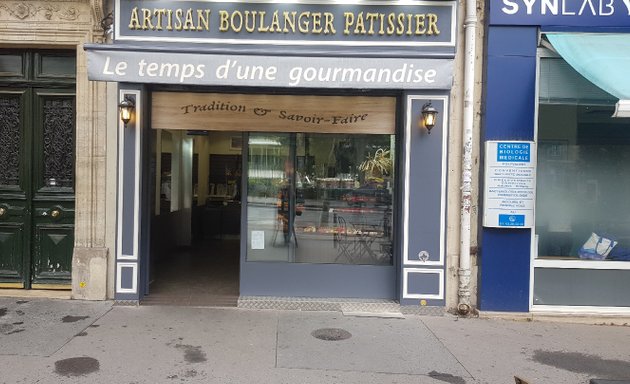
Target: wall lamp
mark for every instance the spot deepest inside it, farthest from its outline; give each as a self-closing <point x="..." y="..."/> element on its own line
<point x="429" y="116"/>
<point x="126" y="108"/>
<point x="107" y="25"/>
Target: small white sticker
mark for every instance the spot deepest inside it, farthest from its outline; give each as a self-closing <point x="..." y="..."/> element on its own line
<point x="258" y="239"/>
<point x="423" y="256"/>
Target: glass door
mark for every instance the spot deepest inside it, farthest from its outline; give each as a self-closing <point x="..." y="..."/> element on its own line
<point x="270" y="173"/>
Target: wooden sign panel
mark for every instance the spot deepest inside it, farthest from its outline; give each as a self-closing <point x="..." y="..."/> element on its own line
<point x="273" y="113"/>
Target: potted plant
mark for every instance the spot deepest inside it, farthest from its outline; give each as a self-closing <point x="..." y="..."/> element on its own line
<point x="376" y="167"/>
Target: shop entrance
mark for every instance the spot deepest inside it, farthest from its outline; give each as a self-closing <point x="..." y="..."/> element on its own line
<point x="297" y="200"/>
<point x="195" y="218"/>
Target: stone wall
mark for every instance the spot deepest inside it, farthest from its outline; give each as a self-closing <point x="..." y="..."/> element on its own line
<point x="68" y="25"/>
<point x="455" y="145"/>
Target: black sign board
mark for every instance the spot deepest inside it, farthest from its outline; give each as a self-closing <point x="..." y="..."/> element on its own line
<point x="379" y="23"/>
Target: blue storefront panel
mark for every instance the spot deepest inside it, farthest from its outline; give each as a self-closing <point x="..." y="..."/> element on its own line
<point x="510" y="113"/>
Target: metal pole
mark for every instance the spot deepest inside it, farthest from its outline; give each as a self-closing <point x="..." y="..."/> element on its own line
<point x="470" y="31"/>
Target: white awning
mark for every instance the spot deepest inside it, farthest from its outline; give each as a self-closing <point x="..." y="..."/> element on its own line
<point x="602" y="58"/>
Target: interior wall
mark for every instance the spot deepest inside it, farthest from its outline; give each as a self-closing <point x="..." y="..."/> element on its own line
<point x="174" y="224"/>
<point x="215" y="143"/>
<point x="173" y="208"/>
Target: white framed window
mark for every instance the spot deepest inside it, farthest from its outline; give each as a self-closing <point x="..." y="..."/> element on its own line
<point x="581" y="247"/>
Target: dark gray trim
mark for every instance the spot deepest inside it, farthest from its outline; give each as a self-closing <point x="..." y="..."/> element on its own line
<point x="418" y="284"/>
<point x="399" y="169"/>
<point x="292" y="197"/>
<point x="244" y="199"/>
<point x="425" y="183"/>
<point x="127" y="235"/>
<point x="426" y="159"/>
<point x="445" y="16"/>
<point x="145" y="196"/>
<point x="128" y="187"/>
<point x="314" y="51"/>
<point x="126" y="277"/>
<point x="414" y="303"/>
<point x="317" y="280"/>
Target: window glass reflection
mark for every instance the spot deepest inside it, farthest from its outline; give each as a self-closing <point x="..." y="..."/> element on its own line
<point x="268" y="177"/>
<point x="321" y="198"/>
<point x="583" y="183"/>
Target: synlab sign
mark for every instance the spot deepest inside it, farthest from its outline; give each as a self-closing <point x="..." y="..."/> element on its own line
<point x="580" y="13"/>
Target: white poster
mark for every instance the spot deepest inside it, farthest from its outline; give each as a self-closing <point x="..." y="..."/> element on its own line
<point x="510" y="184"/>
<point x="258" y="239"/>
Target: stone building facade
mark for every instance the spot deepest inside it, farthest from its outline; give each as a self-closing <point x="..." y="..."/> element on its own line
<point x="35" y="28"/>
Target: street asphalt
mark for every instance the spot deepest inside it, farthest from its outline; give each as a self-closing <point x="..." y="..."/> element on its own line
<point x="67" y="341"/>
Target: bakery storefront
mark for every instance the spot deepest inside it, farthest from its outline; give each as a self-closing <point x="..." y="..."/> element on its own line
<point x="279" y="149"/>
<point x="558" y="84"/>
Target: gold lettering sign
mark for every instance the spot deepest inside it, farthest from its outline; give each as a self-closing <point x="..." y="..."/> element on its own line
<point x="158" y="19"/>
<point x="390" y="23"/>
<point x="273" y="113"/>
<point x="284" y="22"/>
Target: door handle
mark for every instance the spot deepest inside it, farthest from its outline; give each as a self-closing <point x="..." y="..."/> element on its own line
<point x="3" y="211"/>
<point x="55" y="213"/>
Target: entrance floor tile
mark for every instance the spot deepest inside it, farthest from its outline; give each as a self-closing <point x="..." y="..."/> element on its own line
<point x="205" y="275"/>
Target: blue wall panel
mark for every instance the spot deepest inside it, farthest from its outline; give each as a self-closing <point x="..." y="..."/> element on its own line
<point x="509" y="115"/>
<point x="504" y="284"/>
<point x="511" y="83"/>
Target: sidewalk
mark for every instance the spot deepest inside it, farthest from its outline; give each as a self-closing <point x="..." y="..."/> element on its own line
<point x="63" y="341"/>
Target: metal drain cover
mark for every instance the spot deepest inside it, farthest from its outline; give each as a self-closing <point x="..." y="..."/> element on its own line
<point x="331" y="334"/>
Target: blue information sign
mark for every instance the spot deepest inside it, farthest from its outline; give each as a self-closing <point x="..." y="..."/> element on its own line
<point x="509" y="185"/>
<point x="513" y="152"/>
<point x="511" y="220"/>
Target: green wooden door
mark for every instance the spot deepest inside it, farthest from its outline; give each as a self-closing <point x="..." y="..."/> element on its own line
<point x="37" y="141"/>
<point x="14" y="197"/>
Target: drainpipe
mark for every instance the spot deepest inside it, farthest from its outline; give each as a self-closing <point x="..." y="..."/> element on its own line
<point x="470" y="31"/>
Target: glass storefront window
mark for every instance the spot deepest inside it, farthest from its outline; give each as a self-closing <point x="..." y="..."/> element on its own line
<point x="582" y="184"/>
<point x="583" y="171"/>
<point x="320" y="198"/>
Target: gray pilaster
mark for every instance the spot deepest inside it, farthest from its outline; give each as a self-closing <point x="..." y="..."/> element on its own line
<point x="129" y="200"/>
<point x="422" y="274"/>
